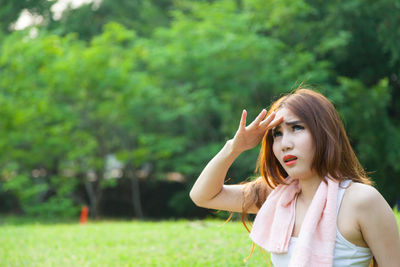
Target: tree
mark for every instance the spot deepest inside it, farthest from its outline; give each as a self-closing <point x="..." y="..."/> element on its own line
<point x="88" y="20"/>
<point x="11" y="10"/>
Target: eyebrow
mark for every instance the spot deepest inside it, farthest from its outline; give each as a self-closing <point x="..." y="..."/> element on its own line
<point x="293" y="122"/>
<point x="287" y="123"/>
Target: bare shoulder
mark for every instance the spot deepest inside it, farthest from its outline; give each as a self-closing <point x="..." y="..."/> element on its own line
<point x="377" y="223"/>
<point x="366" y="203"/>
<point x="362" y="196"/>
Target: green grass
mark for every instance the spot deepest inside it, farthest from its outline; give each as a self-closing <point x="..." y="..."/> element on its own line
<point x="126" y="243"/>
<point x="397" y="214"/>
<point x="166" y="243"/>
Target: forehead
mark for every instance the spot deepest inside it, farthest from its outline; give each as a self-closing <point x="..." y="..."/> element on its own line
<point x="287" y="115"/>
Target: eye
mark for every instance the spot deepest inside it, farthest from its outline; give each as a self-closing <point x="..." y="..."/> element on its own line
<point x="276" y="133"/>
<point x="297" y="127"/>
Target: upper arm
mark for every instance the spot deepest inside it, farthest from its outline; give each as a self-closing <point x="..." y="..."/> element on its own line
<point x="230" y="198"/>
<point x="378" y="226"/>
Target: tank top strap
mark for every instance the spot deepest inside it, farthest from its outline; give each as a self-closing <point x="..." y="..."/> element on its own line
<point x="342" y="188"/>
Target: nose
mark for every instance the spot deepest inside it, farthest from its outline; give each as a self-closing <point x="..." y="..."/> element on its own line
<point x="286" y="143"/>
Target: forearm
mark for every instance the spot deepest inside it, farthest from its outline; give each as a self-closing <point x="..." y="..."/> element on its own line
<point x="212" y="178"/>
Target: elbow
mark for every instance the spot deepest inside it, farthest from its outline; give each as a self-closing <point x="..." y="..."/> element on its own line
<point x="192" y="196"/>
<point x="196" y="200"/>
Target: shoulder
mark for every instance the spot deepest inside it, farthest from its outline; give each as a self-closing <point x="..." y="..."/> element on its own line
<point x="376" y="222"/>
<point x="364" y="201"/>
<point x="362" y="196"/>
<point x="367" y="203"/>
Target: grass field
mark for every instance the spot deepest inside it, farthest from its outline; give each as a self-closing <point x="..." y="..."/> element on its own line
<point x="126" y="243"/>
<point x="166" y="243"/>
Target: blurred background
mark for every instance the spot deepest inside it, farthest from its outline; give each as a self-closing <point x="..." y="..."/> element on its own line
<point x="119" y="105"/>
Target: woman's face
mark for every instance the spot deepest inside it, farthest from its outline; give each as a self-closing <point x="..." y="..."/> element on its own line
<point x="293" y="145"/>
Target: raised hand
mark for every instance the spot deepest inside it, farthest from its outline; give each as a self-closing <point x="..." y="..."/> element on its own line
<point x="248" y="137"/>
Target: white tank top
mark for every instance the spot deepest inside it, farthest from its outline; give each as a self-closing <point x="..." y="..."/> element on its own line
<point x="345" y="252"/>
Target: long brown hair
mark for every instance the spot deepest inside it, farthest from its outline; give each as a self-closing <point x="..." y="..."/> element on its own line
<point x="333" y="152"/>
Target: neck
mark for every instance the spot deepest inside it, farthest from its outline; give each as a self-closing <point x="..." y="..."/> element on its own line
<point x="308" y="188"/>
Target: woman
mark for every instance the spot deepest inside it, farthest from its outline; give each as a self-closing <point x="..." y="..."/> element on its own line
<point x="309" y="175"/>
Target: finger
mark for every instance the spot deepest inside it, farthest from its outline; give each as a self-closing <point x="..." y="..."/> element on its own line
<point x="259" y="117"/>
<point x="275" y="122"/>
<point x="242" y="123"/>
<point x="268" y="120"/>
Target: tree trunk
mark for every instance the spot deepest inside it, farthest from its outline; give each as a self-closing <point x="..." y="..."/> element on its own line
<point x="137" y="205"/>
<point x="93" y="199"/>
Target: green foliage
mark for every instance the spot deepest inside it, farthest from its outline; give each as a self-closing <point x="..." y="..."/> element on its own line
<point x="11" y="10"/>
<point x="165" y="83"/>
<point x="370" y="105"/>
<point x="212" y="63"/>
<point x="31" y="194"/>
<point x="25" y="189"/>
<point x="89" y="19"/>
<point x="56" y="206"/>
<point x="57" y="123"/>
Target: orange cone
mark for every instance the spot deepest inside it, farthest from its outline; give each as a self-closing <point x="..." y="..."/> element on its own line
<point x="84" y="214"/>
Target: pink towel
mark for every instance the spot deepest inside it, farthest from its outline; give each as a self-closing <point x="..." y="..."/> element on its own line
<point x="273" y="225"/>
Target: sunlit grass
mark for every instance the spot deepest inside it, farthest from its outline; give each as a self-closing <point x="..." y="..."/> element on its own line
<point x="127" y="243"/>
<point x="397" y="214"/>
<point x="166" y="243"/>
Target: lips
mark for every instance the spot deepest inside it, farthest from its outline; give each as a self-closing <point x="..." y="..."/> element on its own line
<point x="289" y="160"/>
